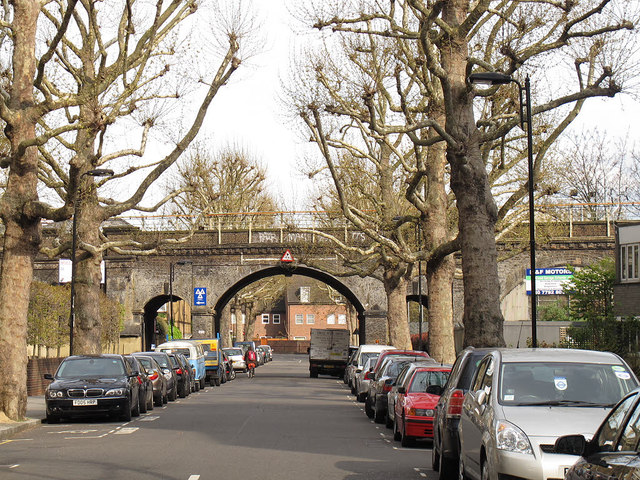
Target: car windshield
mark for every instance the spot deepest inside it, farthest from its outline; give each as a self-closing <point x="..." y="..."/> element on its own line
<point x="368" y="355"/>
<point x="392" y="369"/>
<point x="146" y="363"/>
<point x="423" y="378"/>
<point x="233" y="351"/>
<point x="162" y="360"/>
<point x="573" y="384"/>
<point x="183" y="351"/>
<point x="91" y="368"/>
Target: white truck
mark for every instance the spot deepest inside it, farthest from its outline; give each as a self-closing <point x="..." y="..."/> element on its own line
<point x="329" y="351"/>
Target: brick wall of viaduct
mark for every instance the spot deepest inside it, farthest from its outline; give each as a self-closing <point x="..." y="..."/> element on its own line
<point x="222" y="262"/>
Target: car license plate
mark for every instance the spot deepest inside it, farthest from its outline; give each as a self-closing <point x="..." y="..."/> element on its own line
<point x="80" y="402"/>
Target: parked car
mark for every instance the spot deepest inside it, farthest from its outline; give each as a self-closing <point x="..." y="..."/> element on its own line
<point x="264" y="349"/>
<point x="363" y="378"/>
<point x="444" y="453"/>
<point x="244" y="345"/>
<point x="193" y="351"/>
<point x="182" y="373"/>
<point x="145" y="397"/>
<point x="613" y="450"/>
<point x="416" y="401"/>
<point x="158" y="381"/>
<point x="212" y="361"/>
<point x="170" y="376"/>
<point x="522" y="400"/>
<point x="236" y="355"/>
<point x="372" y="371"/>
<point x="357" y="361"/>
<point x="375" y="405"/>
<point x="260" y="356"/>
<point x="184" y="362"/>
<point x="91" y="384"/>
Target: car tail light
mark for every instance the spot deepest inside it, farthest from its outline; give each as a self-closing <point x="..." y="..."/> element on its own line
<point x="139" y="379"/>
<point x="179" y="371"/>
<point x="368" y="375"/>
<point x="455" y="404"/>
<point x="386" y="388"/>
<point x="153" y="376"/>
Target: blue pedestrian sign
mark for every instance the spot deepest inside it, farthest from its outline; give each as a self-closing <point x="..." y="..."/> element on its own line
<point x="200" y="296"/>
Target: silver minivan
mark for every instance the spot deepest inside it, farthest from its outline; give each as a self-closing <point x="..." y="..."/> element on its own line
<point x="522" y="400"/>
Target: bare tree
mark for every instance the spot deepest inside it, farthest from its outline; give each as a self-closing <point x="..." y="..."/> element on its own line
<point x="446" y="41"/>
<point x="88" y="78"/>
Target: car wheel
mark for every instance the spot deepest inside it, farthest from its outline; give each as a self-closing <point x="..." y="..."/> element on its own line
<point x="396" y="433"/>
<point x="461" y="474"/>
<point x="150" y="401"/>
<point x="406" y="441"/>
<point x="165" y="399"/>
<point x="173" y="394"/>
<point x="361" y="397"/>
<point x="217" y="381"/>
<point x="157" y="401"/>
<point x="142" y="404"/>
<point x="447" y="468"/>
<point x="202" y="385"/>
<point x="368" y="409"/>
<point x="232" y="376"/>
<point x="378" y="415"/>
<point x="388" y="421"/>
<point x="435" y="456"/>
<point x="183" y="391"/>
<point x="136" y="408"/>
<point x="126" y="413"/>
<point x="197" y="386"/>
<point x="484" y="470"/>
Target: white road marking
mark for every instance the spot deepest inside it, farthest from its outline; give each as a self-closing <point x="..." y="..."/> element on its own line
<point x="194" y="477"/>
<point x="150" y="418"/>
<point x="126" y="431"/>
<point x="75" y="431"/>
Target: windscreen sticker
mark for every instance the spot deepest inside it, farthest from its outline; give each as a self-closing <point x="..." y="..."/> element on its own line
<point x="618" y="368"/>
<point x="509" y="398"/>
<point x="623" y="375"/>
<point x="560" y="383"/>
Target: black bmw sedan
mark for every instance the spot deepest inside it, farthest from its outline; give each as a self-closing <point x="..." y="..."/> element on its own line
<point x="92" y="384"/>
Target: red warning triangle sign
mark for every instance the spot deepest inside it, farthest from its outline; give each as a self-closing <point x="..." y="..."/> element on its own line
<point x="287" y="257"/>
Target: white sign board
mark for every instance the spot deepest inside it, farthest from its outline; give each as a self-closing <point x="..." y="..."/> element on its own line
<point x="64" y="271"/>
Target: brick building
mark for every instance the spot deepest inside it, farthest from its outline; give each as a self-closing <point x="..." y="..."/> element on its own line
<point x="307" y="304"/>
<point x="626" y="290"/>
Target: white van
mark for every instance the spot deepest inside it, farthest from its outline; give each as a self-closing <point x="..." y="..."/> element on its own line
<point x="358" y="360"/>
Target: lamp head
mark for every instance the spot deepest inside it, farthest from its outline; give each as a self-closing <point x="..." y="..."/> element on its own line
<point x="489" y="78"/>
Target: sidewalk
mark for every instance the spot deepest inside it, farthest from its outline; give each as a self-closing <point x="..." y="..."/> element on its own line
<point x="35" y="415"/>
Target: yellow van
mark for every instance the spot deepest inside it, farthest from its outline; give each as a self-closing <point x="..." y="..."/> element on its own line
<point x="213" y="364"/>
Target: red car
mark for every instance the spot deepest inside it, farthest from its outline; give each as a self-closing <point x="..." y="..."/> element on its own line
<point x="414" y="406"/>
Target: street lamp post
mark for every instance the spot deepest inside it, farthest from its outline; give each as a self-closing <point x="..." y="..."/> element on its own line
<point x="98" y="172"/>
<point x="494" y="78"/>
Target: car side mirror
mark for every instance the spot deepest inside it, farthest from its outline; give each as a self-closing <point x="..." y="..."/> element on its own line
<point x="48" y="376"/>
<point x="571" y="445"/>
<point x="434" y="389"/>
<point x="402" y="390"/>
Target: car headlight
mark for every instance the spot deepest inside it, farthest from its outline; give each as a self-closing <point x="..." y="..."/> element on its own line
<point x="420" y="412"/>
<point x="55" y="393"/>
<point x="115" y="392"/>
<point x="511" y="438"/>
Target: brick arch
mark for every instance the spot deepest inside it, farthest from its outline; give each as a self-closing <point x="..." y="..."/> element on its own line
<point x="324" y="277"/>
<point x="149" y="316"/>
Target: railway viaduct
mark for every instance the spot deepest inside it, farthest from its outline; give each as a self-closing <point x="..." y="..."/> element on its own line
<point x="225" y="261"/>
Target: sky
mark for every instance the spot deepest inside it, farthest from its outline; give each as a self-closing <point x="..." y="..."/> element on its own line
<point x="247" y="113"/>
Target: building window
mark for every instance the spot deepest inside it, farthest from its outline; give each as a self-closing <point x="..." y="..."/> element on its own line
<point x="342" y="319"/>
<point x="305" y="294"/>
<point x="265" y="318"/>
<point x="331" y="319"/>
<point x="299" y="319"/>
<point x="629" y="268"/>
<point x="311" y="318"/>
<point x="233" y="319"/>
<point x="276" y="318"/>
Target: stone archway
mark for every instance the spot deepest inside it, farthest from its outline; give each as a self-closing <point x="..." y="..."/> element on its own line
<point x="287" y="270"/>
<point x="150" y="332"/>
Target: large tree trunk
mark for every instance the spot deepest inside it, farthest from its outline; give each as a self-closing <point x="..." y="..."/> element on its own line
<point x="88" y="324"/>
<point x="477" y="210"/>
<point x="22" y="234"/>
<point x="395" y="285"/>
<point x="435" y="229"/>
